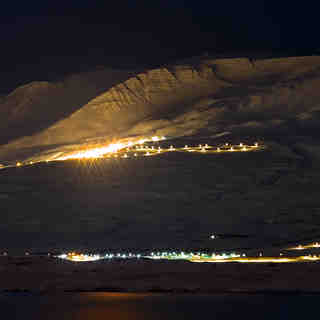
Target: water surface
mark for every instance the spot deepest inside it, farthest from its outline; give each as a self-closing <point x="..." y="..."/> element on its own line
<point x="81" y="306"/>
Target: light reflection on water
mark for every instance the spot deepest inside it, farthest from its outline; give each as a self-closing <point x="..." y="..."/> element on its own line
<point x="122" y="306"/>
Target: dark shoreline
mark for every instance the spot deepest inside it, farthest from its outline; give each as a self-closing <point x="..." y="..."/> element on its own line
<point x="45" y="275"/>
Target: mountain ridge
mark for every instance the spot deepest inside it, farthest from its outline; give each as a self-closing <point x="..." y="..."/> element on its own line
<point x="177" y="100"/>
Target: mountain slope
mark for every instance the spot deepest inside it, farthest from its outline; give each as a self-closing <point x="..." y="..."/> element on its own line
<point x="37" y="105"/>
<point x="215" y="95"/>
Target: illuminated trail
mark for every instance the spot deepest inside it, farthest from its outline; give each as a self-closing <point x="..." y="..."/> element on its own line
<point x="260" y="259"/>
<point x="304" y="247"/>
<point x="129" y="148"/>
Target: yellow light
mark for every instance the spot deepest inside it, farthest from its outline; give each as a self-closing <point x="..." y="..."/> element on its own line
<point x="125" y="155"/>
<point x="203" y="150"/>
<point x="227" y="143"/>
<point x="240" y="144"/>
<point x="307" y="246"/>
<point x="148" y="153"/>
<point x="159" y="151"/>
<point x="186" y="147"/>
<point x="231" y="149"/>
<point x="171" y="148"/>
<point x="218" y="149"/>
<point x="18" y="164"/>
<point x="97" y="152"/>
<point x="244" y="149"/>
<point x="135" y="155"/>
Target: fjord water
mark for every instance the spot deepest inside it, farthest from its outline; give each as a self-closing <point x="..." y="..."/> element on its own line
<point x="94" y="306"/>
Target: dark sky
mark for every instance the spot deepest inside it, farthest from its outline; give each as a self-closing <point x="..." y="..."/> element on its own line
<point x="41" y="41"/>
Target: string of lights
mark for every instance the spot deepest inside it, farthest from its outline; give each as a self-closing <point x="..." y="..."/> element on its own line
<point x="137" y="148"/>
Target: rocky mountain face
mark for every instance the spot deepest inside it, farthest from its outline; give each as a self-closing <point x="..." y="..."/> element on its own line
<point x="220" y="95"/>
<point x="37" y="105"/>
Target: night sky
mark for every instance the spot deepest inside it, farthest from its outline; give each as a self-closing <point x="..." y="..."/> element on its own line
<point x="45" y="41"/>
